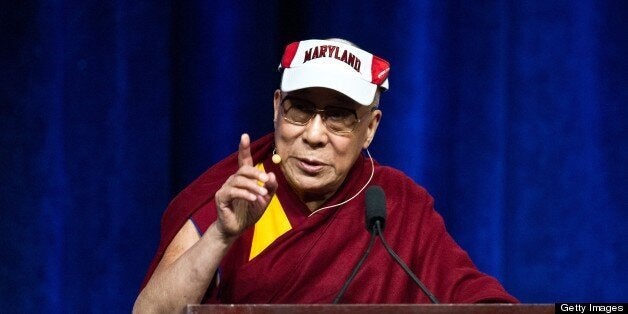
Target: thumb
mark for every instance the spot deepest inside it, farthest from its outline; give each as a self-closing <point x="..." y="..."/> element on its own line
<point x="271" y="186"/>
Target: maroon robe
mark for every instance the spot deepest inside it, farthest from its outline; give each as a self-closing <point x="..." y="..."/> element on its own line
<point x="310" y="262"/>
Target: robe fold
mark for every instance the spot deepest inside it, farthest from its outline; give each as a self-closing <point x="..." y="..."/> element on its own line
<point x="294" y="256"/>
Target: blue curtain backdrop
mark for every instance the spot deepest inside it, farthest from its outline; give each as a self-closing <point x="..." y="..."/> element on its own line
<point x="513" y="114"/>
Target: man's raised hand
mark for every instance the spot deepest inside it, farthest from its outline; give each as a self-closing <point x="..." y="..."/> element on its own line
<point x="243" y="198"/>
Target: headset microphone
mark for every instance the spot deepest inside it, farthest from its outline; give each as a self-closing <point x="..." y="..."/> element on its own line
<point x="276" y="158"/>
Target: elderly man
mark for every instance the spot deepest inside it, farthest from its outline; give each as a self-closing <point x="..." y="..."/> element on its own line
<point x="282" y="220"/>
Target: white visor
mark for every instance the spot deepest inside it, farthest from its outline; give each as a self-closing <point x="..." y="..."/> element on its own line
<point x="335" y="65"/>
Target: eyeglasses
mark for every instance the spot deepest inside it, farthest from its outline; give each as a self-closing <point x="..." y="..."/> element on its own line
<point x="337" y="120"/>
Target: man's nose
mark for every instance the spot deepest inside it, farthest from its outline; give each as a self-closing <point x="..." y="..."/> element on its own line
<point x="315" y="133"/>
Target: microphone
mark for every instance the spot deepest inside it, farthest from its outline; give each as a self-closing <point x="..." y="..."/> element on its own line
<point x="375" y="218"/>
<point x="276" y="158"/>
<point x="375" y="212"/>
<point x="375" y="208"/>
<point x="375" y="221"/>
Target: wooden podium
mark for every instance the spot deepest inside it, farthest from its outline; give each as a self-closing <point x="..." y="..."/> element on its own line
<point x="375" y="308"/>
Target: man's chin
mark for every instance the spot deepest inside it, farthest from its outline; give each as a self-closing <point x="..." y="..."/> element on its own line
<point x="313" y="187"/>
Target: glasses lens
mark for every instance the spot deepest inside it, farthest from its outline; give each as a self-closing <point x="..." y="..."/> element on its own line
<point x="298" y="111"/>
<point x="336" y="119"/>
<point x="341" y="120"/>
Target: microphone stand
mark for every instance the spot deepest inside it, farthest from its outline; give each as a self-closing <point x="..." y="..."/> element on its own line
<point x="355" y="270"/>
<point x="377" y="231"/>
<point x="404" y="266"/>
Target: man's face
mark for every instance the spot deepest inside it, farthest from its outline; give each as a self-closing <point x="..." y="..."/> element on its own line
<point x="315" y="161"/>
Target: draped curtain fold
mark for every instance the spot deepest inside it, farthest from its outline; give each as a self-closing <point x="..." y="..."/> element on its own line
<point x="512" y="114"/>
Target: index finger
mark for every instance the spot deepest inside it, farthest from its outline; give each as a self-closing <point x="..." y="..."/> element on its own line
<point x="244" y="151"/>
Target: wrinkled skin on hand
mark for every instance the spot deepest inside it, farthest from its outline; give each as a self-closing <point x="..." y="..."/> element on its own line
<point x="245" y="195"/>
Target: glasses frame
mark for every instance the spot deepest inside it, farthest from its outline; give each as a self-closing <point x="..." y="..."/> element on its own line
<point x="320" y="112"/>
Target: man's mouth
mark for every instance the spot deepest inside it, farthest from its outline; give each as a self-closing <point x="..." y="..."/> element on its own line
<point x="310" y="166"/>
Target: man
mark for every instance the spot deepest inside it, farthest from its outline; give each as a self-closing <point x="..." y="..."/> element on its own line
<point x="282" y="221"/>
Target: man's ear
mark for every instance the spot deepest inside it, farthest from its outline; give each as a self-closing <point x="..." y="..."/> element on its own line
<point x="276" y="103"/>
<point x="376" y="117"/>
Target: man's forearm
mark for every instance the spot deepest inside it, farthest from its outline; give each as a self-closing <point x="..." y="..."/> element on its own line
<point x="186" y="280"/>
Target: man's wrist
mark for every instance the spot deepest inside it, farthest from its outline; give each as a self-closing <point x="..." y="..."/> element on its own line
<point x="214" y="232"/>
